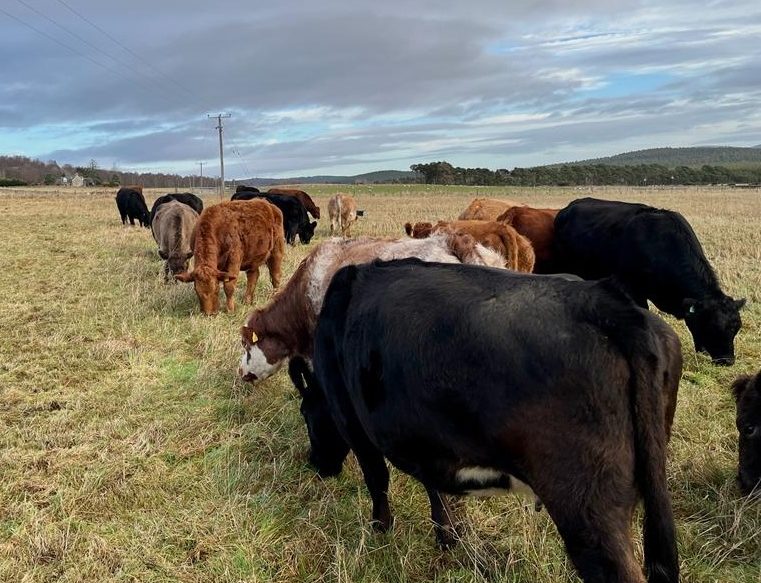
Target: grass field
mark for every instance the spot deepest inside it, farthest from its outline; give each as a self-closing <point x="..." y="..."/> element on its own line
<point x="130" y="451"/>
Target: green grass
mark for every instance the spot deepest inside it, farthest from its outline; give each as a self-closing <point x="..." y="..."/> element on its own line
<point x="129" y="450"/>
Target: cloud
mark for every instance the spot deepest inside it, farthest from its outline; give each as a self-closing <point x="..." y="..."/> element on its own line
<point x="343" y="87"/>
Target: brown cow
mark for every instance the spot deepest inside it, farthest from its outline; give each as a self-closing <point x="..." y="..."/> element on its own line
<point x="515" y="248"/>
<point x="342" y="209"/>
<point x="285" y="327"/>
<point x="231" y="237"/>
<point x="305" y="199"/>
<point x="538" y="226"/>
<point x="486" y="209"/>
<point x="172" y="228"/>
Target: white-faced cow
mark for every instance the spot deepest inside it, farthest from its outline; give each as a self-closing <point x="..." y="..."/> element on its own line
<point x="477" y="380"/>
<point x="285" y="327"/>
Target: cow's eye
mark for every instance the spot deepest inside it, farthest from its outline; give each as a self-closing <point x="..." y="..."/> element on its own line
<point x="751" y="431"/>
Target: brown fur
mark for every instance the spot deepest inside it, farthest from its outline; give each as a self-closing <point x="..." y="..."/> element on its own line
<point x="516" y="249"/>
<point x="486" y="209"/>
<point x="232" y="237"/>
<point x="138" y="187"/>
<point x="172" y="228"/>
<point x="303" y="197"/>
<point x="419" y="230"/>
<point x="285" y="327"/>
<point x="538" y="226"/>
<point x="342" y="209"/>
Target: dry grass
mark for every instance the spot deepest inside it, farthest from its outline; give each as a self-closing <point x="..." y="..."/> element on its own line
<point x="129" y="451"/>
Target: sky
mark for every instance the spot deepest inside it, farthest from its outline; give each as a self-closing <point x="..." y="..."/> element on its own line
<point x="352" y="86"/>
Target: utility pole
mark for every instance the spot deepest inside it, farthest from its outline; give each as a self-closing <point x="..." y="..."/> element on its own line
<point x="221" y="153"/>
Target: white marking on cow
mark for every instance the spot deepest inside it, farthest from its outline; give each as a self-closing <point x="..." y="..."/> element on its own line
<point x="478" y="474"/>
<point x="254" y="362"/>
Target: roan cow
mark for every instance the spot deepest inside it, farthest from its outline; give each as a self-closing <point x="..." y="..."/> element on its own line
<point x="172" y="228"/>
<point x="656" y="255"/>
<point x="295" y="219"/>
<point x="285" y="327"/>
<point x="502" y="238"/>
<point x="747" y="392"/>
<point x="231" y="237"/>
<point x="342" y="209"/>
<point x="475" y="381"/>
<point x="187" y="198"/>
<point x="131" y="205"/>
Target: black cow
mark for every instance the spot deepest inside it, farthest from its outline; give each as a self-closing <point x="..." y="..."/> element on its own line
<point x="656" y="256"/>
<point x="295" y="219"/>
<point x="187" y="198"/>
<point x="472" y="379"/>
<point x="245" y="188"/>
<point x="747" y="391"/>
<point x="131" y="204"/>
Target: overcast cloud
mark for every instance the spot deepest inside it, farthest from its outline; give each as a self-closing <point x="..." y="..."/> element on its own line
<point x="348" y="87"/>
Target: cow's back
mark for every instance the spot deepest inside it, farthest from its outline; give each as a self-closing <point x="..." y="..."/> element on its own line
<point x="173" y="226"/>
<point x="538" y="226"/>
<point x="486" y="209"/>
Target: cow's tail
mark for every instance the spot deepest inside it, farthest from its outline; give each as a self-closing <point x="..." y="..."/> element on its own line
<point x="648" y="416"/>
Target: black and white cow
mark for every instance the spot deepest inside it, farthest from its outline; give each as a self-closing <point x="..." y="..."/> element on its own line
<point x="474" y="380"/>
<point x="656" y="255"/>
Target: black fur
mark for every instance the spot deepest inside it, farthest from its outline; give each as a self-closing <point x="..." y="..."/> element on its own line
<point x="131" y="205"/>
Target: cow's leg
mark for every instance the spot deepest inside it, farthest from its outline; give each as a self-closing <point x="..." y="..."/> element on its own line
<point x="332" y="225"/>
<point x="375" y="471"/>
<point x="275" y="263"/>
<point x="443" y="516"/>
<point x="252" y="276"/>
<point x="132" y="221"/>
<point x="596" y="530"/>
<point x="229" y="287"/>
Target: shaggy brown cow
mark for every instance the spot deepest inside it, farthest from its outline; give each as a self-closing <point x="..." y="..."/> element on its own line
<point x="305" y="199"/>
<point x="486" y="209"/>
<point x="231" y="237"/>
<point x="538" y="226"/>
<point x="172" y="228"/>
<point x="515" y="248"/>
<point x="342" y="209"/>
<point x="285" y="327"/>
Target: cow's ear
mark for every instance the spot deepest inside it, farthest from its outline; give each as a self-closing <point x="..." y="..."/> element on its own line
<point x="690" y="305"/>
<point x="185" y="276"/>
<point x="408" y="229"/>
<point x="163" y="254"/>
<point x="248" y="334"/>
<point x="314" y="224"/>
<point x="738" y="387"/>
<point x="225" y="276"/>
<point x="188" y="255"/>
<point x="739" y="304"/>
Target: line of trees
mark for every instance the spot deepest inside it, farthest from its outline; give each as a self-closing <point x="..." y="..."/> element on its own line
<point x="20" y="171"/>
<point x="585" y="175"/>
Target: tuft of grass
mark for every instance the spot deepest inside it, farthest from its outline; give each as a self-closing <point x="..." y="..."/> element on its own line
<point x="130" y="451"/>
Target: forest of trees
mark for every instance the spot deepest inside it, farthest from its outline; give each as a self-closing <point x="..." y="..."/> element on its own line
<point x="20" y="170"/>
<point x="586" y="175"/>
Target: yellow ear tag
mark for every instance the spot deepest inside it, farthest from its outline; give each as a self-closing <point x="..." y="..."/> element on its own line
<point x="254" y="337"/>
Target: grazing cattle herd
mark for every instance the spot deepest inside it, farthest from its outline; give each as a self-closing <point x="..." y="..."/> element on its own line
<point x="511" y="349"/>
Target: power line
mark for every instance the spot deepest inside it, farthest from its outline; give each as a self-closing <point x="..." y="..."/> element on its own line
<point x="89" y="44"/>
<point x="130" y="51"/>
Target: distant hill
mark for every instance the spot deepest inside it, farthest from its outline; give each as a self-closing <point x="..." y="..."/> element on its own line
<point x="672" y="157"/>
<point x="368" y="177"/>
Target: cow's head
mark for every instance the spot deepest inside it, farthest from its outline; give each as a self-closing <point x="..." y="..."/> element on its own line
<point x="747" y="391"/>
<point x="714" y="323"/>
<point x="262" y="357"/>
<point x="328" y="449"/>
<point x="306" y="231"/>
<point x="206" y="282"/>
<point x="176" y="263"/>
